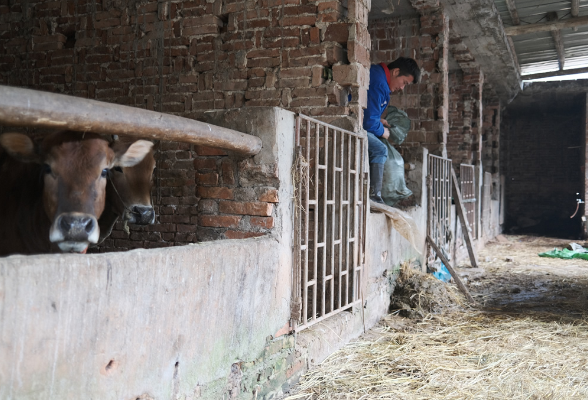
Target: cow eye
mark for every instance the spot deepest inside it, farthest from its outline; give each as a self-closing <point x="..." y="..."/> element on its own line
<point x="104" y="173"/>
<point x="46" y="169"/>
<point x="117" y="169"/>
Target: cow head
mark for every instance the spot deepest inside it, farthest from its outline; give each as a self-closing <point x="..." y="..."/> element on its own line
<point x="129" y="188"/>
<point x="75" y="168"/>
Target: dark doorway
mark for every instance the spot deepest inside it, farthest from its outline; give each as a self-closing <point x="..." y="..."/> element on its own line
<point x="543" y="146"/>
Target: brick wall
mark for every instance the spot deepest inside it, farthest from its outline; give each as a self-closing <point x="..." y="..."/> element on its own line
<point x="186" y="58"/>
<point x="491" y="141"/>
<point x="464" y="142"/>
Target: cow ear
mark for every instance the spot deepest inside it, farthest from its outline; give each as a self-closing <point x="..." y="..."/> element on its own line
<point x="19" y="146"/>
<point x="133" y="155"/>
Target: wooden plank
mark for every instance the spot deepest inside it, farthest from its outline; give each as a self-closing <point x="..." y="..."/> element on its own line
<point x="456" y="278"/>
<point x="512" y="9"/>
<point x="575" y="8"/>
<point x="559" y="45"/>
<point x="464" y="222"/>
<point x="546" y="26"/>
<point x="515" y="57"/>
<point x="33" y="108"/>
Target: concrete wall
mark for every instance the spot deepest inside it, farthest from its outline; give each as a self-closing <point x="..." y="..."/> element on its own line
<point x="208" y="320"/>
<point x="154" y="323"/>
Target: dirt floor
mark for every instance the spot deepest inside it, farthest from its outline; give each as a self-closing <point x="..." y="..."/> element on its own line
<point x="526" y="338"/>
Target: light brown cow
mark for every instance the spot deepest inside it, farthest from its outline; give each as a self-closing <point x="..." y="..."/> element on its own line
<point x="128" y="193"/>
<point x="52" y="194"/>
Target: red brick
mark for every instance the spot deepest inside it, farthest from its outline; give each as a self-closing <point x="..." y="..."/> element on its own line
<point x="205" y="163"/>
<point x="262" y="222"/>
<point x="228" y="172"/>
<point x="230" y="234"/>
<point x="270" y="196"/>
<point x="210" y="178"/>
<point x="220" y="221"/>
<point x="299" y="21"/>
<point x="216" y="193"/>
<point x="246" y="208"/>
<point x="337" y="33"/>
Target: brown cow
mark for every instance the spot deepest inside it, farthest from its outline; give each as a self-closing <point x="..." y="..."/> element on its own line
<point x="128" y="194"/>
<point x="52" y="200"/>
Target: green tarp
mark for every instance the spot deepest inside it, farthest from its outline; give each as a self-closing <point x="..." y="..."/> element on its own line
<point x="566" y="254"/>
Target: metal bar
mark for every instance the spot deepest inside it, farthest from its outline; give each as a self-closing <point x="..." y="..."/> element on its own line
<point x="316" y="121"/>
<point x="306" y="217"/>
<point x="341" y="206"/>
<point x="26" y="107"/>
<point x="333" y="216"/>
<point x="324" y="220"/>
<point x="339" y="184"/>
<point x="316" y="217"/>
<point x="317" y="320"/>
<point x="348" y="256"/>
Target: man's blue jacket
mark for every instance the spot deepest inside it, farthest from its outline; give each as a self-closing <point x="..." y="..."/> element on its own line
<point x="378" y="97"/>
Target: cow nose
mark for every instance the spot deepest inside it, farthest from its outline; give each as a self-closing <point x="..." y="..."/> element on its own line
<point x="77" y="227"/>
<point x="144" y="215"/>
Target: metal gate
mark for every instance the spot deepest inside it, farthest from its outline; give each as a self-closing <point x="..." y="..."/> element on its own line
<point x="330" y="220"/>
<point x="439" y="207"/>
<point x="468" y="193"/>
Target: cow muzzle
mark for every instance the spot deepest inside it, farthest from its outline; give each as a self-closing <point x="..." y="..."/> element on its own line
<point x="140" y="215"/>
<point x="74" y="231"/>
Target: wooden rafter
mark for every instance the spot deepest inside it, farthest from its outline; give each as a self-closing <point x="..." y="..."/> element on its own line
<point x="557" y="39"/>
<point x="556" y="73"/>
<point x="575" y="8"/>
<point x="514" y="53"/>
<point x="512" y="9"/>
<point x="546" y="26"/>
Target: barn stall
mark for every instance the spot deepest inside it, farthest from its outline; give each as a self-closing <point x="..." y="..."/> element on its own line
<point x="206" y="318"/>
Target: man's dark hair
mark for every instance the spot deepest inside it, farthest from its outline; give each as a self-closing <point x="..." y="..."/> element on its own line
<point x="407" y="66"/>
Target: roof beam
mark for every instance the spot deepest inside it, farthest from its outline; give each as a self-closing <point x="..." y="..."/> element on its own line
<point x="512" y="9"/>
<point x="514" y="53"/>
<point x="559" y="45"/>
<point x="575" y="8"/>
<point x="556" y="73"/>
<point x="546" y="26"/>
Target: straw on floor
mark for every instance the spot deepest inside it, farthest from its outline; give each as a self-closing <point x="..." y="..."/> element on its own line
<point x="458" y="354"/>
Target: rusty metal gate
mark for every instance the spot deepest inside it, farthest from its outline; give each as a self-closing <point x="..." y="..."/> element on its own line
<point x="439" y="205"/>
<point x="330" y="220"/>
<point x="468" y="193"/>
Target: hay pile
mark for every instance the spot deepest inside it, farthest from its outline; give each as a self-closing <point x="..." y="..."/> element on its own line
<point x="458" y="354"/>
<point x="417" y="294"/>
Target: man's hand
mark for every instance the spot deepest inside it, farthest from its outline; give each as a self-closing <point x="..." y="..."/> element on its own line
<point x="384" y="122"/>
<point x="386" y="133"/>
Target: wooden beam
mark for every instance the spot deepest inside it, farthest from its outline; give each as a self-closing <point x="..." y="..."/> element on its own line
<point x="557" y="39"/>
<point x="512" y="9"/>
<point x="546" y="26"/>
<point x="514" y="53"/>
<point x="25" y="107"/>
<point x="575" y="8"/>
<point x="447" y="264"/>
<point x="461" y="213"/>
<point x="556" y="73"/>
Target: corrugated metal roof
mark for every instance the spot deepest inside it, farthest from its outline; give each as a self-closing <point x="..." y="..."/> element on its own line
<point x="536" y="52"/>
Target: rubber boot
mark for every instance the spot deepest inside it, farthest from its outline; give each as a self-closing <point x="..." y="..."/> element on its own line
<point x="376" y="175"/>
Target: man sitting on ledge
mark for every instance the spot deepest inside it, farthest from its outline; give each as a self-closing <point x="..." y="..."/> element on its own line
<point x="384" y="79"/>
